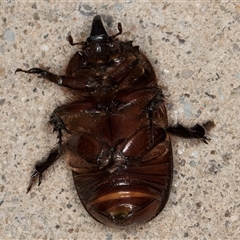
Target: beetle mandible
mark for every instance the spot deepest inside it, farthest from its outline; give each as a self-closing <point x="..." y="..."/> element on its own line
<point x="118" y="141"/>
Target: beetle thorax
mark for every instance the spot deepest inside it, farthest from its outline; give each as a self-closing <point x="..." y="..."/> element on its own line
<point x="112" y="160"/>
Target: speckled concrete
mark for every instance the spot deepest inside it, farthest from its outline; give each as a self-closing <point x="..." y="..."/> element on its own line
<point x="195" y="50"/>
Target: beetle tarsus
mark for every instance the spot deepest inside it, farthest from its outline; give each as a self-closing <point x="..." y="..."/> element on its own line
<point x="41" y="167"/>
<point x="195" y="132"/>
<point x="33" y="71"/>
<point x="33" y="179"/>
<point x="206" y="139"/>
<point x="65" y="81"/>
<point x="43" y="73"/>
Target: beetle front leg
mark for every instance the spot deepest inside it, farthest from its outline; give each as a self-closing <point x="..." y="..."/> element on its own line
<point x="43" y="73"/>
<point x="65" y="81"/>
<point x="195" y="132"/>
<point x="40" y="167"/>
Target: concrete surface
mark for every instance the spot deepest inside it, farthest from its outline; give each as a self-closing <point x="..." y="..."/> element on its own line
<point x="195" y="50"/>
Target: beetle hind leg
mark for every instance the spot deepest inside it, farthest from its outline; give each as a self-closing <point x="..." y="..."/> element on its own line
<point x="195" y="132"/>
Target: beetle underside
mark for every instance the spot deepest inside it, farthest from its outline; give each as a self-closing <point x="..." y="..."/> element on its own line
<point x="118" y="143"/>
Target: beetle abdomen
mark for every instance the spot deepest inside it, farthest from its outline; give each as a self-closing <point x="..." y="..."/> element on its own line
<point x="124" y="177"/>
<point x="127" y="195"/>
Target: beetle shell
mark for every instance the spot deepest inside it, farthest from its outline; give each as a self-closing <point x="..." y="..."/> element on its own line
<point x="118" y="142"/>
<point x="121" y="177"/>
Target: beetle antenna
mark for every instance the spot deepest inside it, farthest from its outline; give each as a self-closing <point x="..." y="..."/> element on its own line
<point x="70" y="40"/>
<point x="119" y="31"/>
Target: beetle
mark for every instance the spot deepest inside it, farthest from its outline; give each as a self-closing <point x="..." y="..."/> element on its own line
<point x="117" y="134"/>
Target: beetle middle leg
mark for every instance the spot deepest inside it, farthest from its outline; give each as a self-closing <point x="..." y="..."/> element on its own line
<point x="156" y="103"/>
<point x="84" y="106"/>
<point x="59" y="125"/>
<point x="53" y="156"/>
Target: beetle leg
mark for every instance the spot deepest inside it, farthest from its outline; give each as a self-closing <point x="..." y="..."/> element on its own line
<point x="91" y="105"/>
<point x="59" y="125"/>
<point x="40" y="167"/>
<point x="157" y="102"/>
<point x="43" y="73"/>
<point x="70" y="109"/>
<point x="65" y="81"/>
<point x="197" y="131"/>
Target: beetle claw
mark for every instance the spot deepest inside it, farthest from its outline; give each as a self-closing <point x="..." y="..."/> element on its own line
<point x="36" y="175"/>
<point x="206" y="139"/>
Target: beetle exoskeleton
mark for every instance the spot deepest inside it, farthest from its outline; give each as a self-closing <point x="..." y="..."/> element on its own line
<point x="118" y="143"/>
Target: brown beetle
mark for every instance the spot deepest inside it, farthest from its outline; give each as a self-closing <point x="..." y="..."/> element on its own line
<point x="118" y="142"/>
